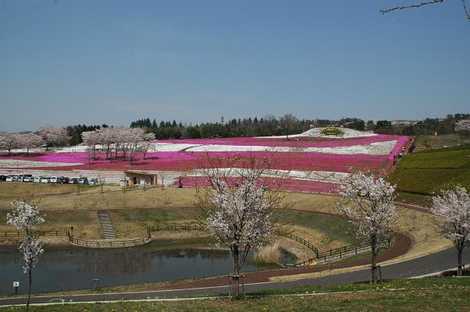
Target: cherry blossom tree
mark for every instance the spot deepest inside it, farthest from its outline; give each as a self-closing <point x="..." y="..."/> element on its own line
<point x="240" y="217"/>
<point x="90" y="139"/>
<point x="8" y="141"/>
<point x="453" y="206"/>
<point x="28" y="141"/>
<point x="463" y="126"/>
<point x="368" y="203"/>
<point x="146" y="145"/>
<point x="25" y="217"/>
<point x="116" y="142"/>
<point x="54" y="136"/>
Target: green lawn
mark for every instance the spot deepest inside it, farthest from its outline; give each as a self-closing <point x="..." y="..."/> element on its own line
<point x="155" y="215"/>
<point x="336" y="228"/>
<point x="435" y="294"/>
<point x="424" y="142"/>
<point x="427" y="172"/>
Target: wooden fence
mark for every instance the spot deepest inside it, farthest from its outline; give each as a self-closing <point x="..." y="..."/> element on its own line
<point x="300" y="240"/>
<point x="321" y="256"/>
<point x="19" y="234"/>
<point x="110" y="243"/>
<point x="336" y="254"/>
<point x="177" y="227"/>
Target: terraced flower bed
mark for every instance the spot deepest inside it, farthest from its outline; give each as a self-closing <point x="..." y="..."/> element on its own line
<point x="302" y="154"/>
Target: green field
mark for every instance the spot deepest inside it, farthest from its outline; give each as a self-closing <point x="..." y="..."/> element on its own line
<point x="336" y="228"/>
<point x="425" y="142"/>
<point x="433" y="294"/>
<point x="425" y="173"/>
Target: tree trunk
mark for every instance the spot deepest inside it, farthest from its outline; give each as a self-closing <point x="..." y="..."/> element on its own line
<point x="30" y="279"/>
<point x="236" y="270"/>
<point x="373" y="267"/>
<point x="460" y="261"/>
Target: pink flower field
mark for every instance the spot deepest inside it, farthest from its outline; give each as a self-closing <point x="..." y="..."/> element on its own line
<point x="185" y="161"/>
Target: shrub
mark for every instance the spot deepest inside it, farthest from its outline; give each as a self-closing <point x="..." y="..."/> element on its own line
<point x="332" y="131"/>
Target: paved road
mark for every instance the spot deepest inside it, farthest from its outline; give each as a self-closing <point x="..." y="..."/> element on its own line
<point x="440" y="261"/>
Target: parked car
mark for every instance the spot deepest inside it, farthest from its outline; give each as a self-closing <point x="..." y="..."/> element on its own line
<point x="64" y="180"/>
<point x="28" y="178"/>
<point x="12" y="178"/>
<point x="73" y="180"/>
<point x="53" y="180"/>
<point x="83" y="180"/>
<point x="36" y="179"/>
<point x="93" y="181"/>
<point x="2" y="178"/>
<point x="44" y="180"/>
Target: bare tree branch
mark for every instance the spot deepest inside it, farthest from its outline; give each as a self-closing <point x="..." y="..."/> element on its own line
<point x="424" y="3"/>
<point x="465" y="9"/>
<point x="411" y="6"/>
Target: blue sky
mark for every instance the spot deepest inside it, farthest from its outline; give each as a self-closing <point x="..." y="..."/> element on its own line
<point x="66" y="62"/>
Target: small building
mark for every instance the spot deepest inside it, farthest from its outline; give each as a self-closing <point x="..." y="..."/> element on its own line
<point x="136" y="178"/>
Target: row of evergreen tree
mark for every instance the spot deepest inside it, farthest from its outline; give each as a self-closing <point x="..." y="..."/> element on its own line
<point x="287" y="124"/>
<point x="75" y="132"/>
<point x="270" y="125"/>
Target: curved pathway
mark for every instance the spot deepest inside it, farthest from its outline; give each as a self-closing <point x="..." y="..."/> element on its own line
<point x="440" y="261"/>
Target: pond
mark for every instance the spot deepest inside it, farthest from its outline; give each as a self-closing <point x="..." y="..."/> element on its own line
<point x="79" y="268"/>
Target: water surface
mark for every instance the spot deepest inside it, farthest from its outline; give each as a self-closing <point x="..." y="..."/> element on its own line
<point x="80" y="268"/>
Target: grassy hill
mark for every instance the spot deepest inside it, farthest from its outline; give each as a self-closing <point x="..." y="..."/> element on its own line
<point x="421" y="174"/>
<point x="430" y="294"/>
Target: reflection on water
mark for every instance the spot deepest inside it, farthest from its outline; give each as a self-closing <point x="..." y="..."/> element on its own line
<point x="78" y="268"/>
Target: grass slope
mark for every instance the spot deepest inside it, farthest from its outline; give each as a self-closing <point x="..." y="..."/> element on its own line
<point x="427" y="172"/>
<point x="434" y="294"/>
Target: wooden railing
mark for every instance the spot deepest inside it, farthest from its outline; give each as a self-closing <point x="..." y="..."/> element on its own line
<point x="336" y="254"/>
<point x="177" y="227"/>
<point x="19" y="234"/>
<point x="300" y="240"/>
<point x="109" y="243"/>
<point x="321" y="256"/>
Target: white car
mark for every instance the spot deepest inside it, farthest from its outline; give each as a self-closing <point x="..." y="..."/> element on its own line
<point x="44" y="180"/>
<point x="53" y="180"/>
<point x="37" y="179"/>
<point x="9" y="179"/>
<point x="28" y="178"/>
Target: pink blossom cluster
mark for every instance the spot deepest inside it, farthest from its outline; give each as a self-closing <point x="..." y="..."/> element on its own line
<point x="292" y="142"/>
<point x="185" y="161"/>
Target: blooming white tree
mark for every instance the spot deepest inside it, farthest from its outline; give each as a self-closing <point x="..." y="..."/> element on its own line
<point x="368" y="203"/>
<point x="54" y="136"/>
<point x="453" y="206"/>
<point x="9" y="141"/>
<point x="116" y="142"/>
<point x="463" y="126"/>
<point x="90" y="139"/>
<point x="28" y="141"/>
<point x="241" y="216"/>
<point x="146" y="145"/>
<point x="25" y="217"/>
